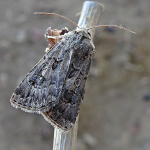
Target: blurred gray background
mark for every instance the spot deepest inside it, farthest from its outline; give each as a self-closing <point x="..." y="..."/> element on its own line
<point x="116" y="109"/>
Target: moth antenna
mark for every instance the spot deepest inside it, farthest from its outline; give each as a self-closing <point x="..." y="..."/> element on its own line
<point x="79" y="13"/>
<point x="113" y="26"/>
<point x="44" y="13"/>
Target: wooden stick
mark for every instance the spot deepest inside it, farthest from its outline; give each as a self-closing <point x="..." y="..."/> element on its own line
<point x="90" y="16"/>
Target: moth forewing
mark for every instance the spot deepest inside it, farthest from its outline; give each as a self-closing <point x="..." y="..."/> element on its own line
<point x="41" y="88"/>
<point x="64" y="114"/>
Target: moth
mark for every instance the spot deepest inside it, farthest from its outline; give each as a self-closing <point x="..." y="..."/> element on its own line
<point x="55" y="87"/>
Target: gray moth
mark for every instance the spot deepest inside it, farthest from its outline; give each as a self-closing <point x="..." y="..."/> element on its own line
<point x="55" y="87"/>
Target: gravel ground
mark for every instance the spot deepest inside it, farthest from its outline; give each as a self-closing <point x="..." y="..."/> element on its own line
<point x="116" y="109"/>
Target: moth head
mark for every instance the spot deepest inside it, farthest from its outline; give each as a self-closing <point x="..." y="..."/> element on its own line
<point x="84" y="31"/>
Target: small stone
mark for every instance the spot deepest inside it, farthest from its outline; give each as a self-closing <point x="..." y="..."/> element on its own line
<point x="146" y="97"/>
<point x="144" y="81"/>
<point x="110" y="28"/>
<point x="21" y="36"/>
<point x="89" y="139"/>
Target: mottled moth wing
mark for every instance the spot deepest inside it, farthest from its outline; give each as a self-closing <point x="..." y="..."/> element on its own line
<point x="41" y="88"/>
<point x="64" y="114"/>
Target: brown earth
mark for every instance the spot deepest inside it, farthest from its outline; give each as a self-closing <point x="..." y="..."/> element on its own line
<point x="115" y="114"/>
